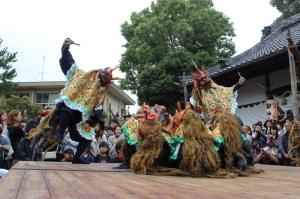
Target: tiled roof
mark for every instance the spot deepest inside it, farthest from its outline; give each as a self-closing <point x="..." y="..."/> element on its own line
<point x="271" y="44"/>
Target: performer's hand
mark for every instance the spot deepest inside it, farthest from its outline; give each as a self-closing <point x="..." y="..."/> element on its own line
<point x="242" y="80"/>
<point x="109" y="71"/>
<point x="106" y="76"/>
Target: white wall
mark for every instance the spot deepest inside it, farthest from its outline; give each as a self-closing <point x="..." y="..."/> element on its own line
<point x="279" y="78"/>
<point x="116" y="104"/>
<point x="252" y="92"/>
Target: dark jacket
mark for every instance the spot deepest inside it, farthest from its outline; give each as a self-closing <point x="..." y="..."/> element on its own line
<point x="283" y="144"/>
<point x="15" y="134"/>
<point x="24" y="150"/>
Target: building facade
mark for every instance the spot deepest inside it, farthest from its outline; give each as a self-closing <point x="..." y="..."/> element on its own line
<point x="45" y="93"/>
<point x="266" y="68"/>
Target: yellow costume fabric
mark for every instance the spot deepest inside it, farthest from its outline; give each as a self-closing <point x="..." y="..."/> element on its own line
<point x="82" y="93"/>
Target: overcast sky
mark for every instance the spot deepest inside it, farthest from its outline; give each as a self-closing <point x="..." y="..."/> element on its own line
<point x="36" y="29"/>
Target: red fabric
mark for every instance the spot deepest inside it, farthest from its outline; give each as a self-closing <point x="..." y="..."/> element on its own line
<point x="151" y="116"/>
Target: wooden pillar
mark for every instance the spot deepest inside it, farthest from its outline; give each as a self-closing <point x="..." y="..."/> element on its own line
<point x="294" y="89"/>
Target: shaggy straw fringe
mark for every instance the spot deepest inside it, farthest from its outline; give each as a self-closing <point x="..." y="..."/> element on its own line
<point x="230" y="129"/>
<point x="199" y="156"/>
<point x="143" y="161"/>
<point x="294" y="147"/>
<point x="44" y="136"/>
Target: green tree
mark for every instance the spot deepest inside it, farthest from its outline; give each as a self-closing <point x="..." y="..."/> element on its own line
<point x="28" y="109"/>
<point x="162" y="41"/>
<point x="286" y="7"/>
<point x="7" y="72"/>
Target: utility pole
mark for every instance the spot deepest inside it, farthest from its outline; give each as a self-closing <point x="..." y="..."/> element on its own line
<point x="43" y="68"/>
<point x="292" y="52"/>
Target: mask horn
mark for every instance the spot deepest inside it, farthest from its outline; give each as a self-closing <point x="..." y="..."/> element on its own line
<point x="196" y="66"/>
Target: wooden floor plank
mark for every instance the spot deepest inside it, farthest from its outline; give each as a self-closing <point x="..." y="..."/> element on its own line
<point x="59" y="187"/>
<point x="33" y="186"/>
<point x="276" y="167"/>
<point x="66" y="180"/>
<point x="10" y="184"/>
<point x="67" y="166"/>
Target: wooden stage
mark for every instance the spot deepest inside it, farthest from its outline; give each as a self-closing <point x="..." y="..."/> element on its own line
<point x="65" y="180"/>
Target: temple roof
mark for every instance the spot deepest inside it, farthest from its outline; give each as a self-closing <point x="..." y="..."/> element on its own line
<point x="273" y="42"/>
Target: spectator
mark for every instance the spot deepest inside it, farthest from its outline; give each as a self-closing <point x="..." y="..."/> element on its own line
<point x="119" y="158"/>
<point x="3" y="122"/>
<point x="259" y="140"/>
<point x="268" y="155"/>
<point x="23" y="124"/>
<point x="68" y="143"/>
<point x="68" y="155"/>
<point x="112" y="141"/>
<point x="5" y="147"/>
<point x="113" y="125"/>
<point x="103" y="135"/>
<point x="273" y="134"/>
<point x="103" y="156"/>
<point x="289" y="116"/>
<point x="267" y="125"/>
<point x="284" y="143"/>
<point x="280" y="129"/>
<point x="15" y="131"/>
<point x="248" y="133"/>
<point x="24" y="149"/>
<point x="99" y="137"/>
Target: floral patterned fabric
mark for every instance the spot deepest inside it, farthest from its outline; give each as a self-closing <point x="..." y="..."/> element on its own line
<point x="82" y="93"/>
<point x="129" y="130"/>
<point x="216" y="96"/>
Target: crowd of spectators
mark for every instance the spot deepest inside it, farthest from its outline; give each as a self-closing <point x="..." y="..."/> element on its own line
<point x="268" y="141"/>
<point x="16" y="138"/>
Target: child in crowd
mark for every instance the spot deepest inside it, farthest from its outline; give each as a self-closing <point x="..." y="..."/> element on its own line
<point x="118" y="148"/>
<point x="68" y="155"/>
<point x="103" y="156"/>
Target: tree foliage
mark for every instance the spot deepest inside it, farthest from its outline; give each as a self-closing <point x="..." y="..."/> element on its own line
<point x="28" y="109"/>
<point x="7" y="72"/>
<point x="286" y="7"/>
<point x="162" y="41"/>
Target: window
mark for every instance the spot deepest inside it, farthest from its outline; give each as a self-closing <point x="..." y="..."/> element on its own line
<point x="53" y="97"/>
<point x="42" y="98"/>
